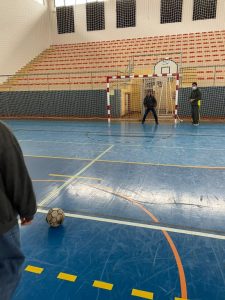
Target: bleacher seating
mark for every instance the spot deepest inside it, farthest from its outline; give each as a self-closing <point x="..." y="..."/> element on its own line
<point x="86" y="65"/>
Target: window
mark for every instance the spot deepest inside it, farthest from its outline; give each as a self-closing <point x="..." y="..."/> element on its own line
<point x="204" y="9"/>
<point x="95" y="15"/>
<point x="171" y="11"/>
<point x="59" y="3"/>
<point x="125" y="13"/>
<point x="72" y="2"/>
<point x="40" y="2"/>
<point x="81" y="1"/>
<point x="65" y="19"/>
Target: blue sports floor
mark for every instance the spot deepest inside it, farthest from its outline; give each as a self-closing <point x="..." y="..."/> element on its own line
<point x="145" y="211"/>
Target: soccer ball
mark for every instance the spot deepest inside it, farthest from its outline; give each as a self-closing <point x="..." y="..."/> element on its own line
<point x="55" y="217"/>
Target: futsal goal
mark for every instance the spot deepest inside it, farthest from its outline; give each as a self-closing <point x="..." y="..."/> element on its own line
<point x="125" y="95"/>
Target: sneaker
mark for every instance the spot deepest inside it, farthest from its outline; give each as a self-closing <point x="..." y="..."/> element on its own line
<point x="196" y="124"/>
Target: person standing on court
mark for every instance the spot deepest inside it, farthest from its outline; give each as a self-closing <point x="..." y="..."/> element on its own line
<point x="16" y="199"/>
<point x="195" y="99"/>
<point x="150" y="103"/>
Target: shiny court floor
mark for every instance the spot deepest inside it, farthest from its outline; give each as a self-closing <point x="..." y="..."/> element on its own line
<point x="145" y="211"/>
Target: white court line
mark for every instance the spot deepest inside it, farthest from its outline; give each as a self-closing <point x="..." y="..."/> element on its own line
<point x="25" y="140"/>
<point x="56" y="191"/>
<point x="146" y="226"/>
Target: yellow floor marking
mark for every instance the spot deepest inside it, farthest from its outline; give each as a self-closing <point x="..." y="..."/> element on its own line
<point x="47" y="180"/>
<point x="130" y="162"/>
<point x="56" y="191"/>
<point x="68" y="277"/>
<point x="142" y="294"/>
<point x="57" y="157"/>
<point x="70" y="176"/>
<point x="33" y="269"/>
<point x="180" y="298"/>
<point x="103" y="285"/>
<point x="161" y="165"/>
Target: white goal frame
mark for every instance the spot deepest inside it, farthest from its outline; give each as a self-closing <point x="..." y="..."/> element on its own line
<point x="175" y="75"/>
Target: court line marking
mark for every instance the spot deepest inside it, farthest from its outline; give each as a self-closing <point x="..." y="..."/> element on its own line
<point x="48" y="180"/>
<point x="183" y="284"/>
<point x="170" y="147"/>
<point x="34" y="269"/>
<point x="161" y="165"/>
<point x="67" y="277"/>
<point x="61" y="142"/>
<point x="129" y="134"/>
<point x="130" y="162"/>
<point x="129" y="145"/>
<point x="142" y="294"/>
<point x="140" y="225"/>
<point x="57" y="157"/>
<point x="103" y="285"/>
<point x="25" y="140"/>
<point x="70" y="176"/>
<point x="56" y="191"/>
<point x="96" y="283"/>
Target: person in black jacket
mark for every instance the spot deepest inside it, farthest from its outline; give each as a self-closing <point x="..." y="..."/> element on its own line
<point x="16" y="199"/>
<point x="195" y="99"/>
<point x="150" y="103"/>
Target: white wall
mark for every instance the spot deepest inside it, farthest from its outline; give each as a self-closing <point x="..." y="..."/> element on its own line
<point x="25" y="32"/>
<point x="148" y="23"/>
<point x="27" y="27"/>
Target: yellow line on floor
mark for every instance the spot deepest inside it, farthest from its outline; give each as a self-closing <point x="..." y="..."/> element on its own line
<point x="129" y="162"/>
<point x="68" y="277"/>
<point x="56" y="191"/>
<point x="57" y="157"/>
<point x="180" y="298"/>
<point x="161" y="165"/>
<point x="33" y="269"/>
<point x="142" y="294"/>
<point x="103" y="285"/>
<point x="71" y="176"/>
<point x="48" y="180"/>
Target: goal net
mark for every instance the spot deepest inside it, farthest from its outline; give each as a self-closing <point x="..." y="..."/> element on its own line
<point x="125" y="95"/>
<point x="94" y="39"/>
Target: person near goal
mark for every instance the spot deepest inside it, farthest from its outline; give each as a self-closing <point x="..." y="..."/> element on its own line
<point x="195" y="99"/>
<point x="16" y="199"/>
<point x="150" y="103"/>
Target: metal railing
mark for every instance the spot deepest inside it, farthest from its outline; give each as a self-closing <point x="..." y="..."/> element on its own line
<point x="204" y="75"/>
<point x="54" y="80"/>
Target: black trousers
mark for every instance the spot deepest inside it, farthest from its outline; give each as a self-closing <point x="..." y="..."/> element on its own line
<point x="147" y="110"/>
<point x="195" y="114"/>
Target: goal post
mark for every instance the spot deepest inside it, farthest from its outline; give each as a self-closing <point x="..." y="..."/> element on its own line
<point x="125" y="94"/>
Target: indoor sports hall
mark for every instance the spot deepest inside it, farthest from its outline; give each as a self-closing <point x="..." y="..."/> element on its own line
<point x="144" y="203"/>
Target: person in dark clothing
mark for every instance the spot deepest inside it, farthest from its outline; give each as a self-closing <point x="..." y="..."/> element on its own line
<point x="16" y="199"/>
<point x="195" y="99"/>
<point x="150" y="103"/>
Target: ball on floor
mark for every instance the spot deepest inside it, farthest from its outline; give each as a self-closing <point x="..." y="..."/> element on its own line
<point x="55" y="217"/>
